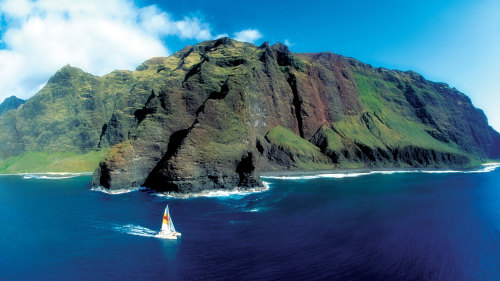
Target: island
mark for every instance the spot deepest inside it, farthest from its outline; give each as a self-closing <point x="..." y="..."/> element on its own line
<point x="217" y="114"/>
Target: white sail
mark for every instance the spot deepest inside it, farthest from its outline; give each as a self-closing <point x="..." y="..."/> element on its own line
<point x="172" y="227"/>
<point x="167" y="226"/>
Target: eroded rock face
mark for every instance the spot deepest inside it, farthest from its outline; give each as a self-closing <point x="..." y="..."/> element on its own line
<point x="215" y="114"/>
<point x="249" y="109"/>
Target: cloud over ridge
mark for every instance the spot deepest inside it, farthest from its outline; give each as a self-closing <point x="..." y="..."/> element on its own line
<point x="41" y="36"/>
<point x="248" y="35"/>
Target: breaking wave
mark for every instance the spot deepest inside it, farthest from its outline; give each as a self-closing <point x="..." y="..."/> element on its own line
<point x="53" y="176"/>
<point x="441" y="172"/>
<point x="331" y="175"/>
<point x="115" y="191"/>
<point x="237" y="192"/>
<point x="484" y="169"/>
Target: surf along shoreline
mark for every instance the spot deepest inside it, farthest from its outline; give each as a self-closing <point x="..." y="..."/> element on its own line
<point x="290" y="172"/>
<point x="485" y="167"/>
<point x="297" y="175"/>
<point x="271" y="175"/>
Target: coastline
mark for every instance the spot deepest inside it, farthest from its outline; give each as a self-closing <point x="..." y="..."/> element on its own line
<point x="485" y="167"/>
<point x="48" y="175"/>
<point x="279" y="175"/>
<point x="237" y="191"/>
<point x="177" y="195"/>
<point x="283" y="172"/>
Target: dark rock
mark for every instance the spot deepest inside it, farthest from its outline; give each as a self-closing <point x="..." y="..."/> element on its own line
<point x="215" y="114"/>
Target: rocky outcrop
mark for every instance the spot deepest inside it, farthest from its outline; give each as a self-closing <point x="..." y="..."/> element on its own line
<point x="281" y="149"/>
<point x="216" y="114"/>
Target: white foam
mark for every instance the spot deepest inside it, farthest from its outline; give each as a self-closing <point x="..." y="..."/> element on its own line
<point x="38" y="177"/>
<point x="237" y="192"/>
<point x="440" y="172"/>
<point x="487" y="168"/>
<point x="53" y="175"/>
<point x="135" y="230"/>
<point x="392" y="172"/>
<point x="491" y="164"/>
<point x="318" y="176"/>
<point x="290" y="177"/>
<point x="114" y="191"/>
<point x="346" y="175"/>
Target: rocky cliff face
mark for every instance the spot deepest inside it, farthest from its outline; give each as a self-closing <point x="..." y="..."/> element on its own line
<point x="216" y="114"/>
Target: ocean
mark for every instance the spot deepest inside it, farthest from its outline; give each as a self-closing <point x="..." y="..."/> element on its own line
<point x="354" y="226"/>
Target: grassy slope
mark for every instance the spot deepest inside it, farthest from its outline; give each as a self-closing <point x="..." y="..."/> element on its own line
<point x="406" y="131"/>
<point x="307" y="155"/>
<point x="40" y="162"/>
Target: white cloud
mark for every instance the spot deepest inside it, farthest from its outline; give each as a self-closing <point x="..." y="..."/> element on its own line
<point x="288" y="43"/>
<point x="98" y="36"/>
<point x="248" y="35"/>
<point x="221" y="35"/>
<point x="158" y="22"/>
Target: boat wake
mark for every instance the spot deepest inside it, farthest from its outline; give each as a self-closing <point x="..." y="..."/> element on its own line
<point x="137" y="230"/>
<point x="234" y="193"/>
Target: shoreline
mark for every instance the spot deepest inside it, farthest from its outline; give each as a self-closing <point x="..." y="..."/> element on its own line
<point x="485" y="167"/>
<point x="237" y="191"/>
<point x="47" y="173"/>
<point x="292" y="172"/>
<point x="278" y="175"/>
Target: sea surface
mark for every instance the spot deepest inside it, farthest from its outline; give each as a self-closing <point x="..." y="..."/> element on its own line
<point x="360" y="226"/>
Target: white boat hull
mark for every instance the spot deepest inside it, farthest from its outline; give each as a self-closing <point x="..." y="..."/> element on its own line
<point x="168" y="235"/>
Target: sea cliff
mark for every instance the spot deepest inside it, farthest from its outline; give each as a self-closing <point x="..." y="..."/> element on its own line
<point x="216" y="114"/>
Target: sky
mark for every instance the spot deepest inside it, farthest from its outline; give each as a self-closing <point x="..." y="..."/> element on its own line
<point x="457" y="42"/>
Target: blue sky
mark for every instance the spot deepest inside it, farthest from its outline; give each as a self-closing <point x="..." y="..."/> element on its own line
<point x="457" y="42"/>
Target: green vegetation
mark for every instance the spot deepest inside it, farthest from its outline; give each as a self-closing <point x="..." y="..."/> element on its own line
<point x="369" y="93"/>
<point x="304" y="154"/>
<point x="40" y="162"/>
<point x="223" y="130"/>
<point x="198" y="118"/>
<point x="389" y="126"/>
<point x="286" y="139"/>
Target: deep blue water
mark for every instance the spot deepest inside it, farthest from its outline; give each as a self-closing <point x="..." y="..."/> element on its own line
<point x="408" y="226"/>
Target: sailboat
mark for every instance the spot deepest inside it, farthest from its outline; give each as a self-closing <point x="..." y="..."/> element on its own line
<point x="167" y="227"/>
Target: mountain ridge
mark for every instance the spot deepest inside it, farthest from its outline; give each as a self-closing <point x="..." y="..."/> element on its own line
<point x="10" y="103"/>
<point x="213" y="115"/>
